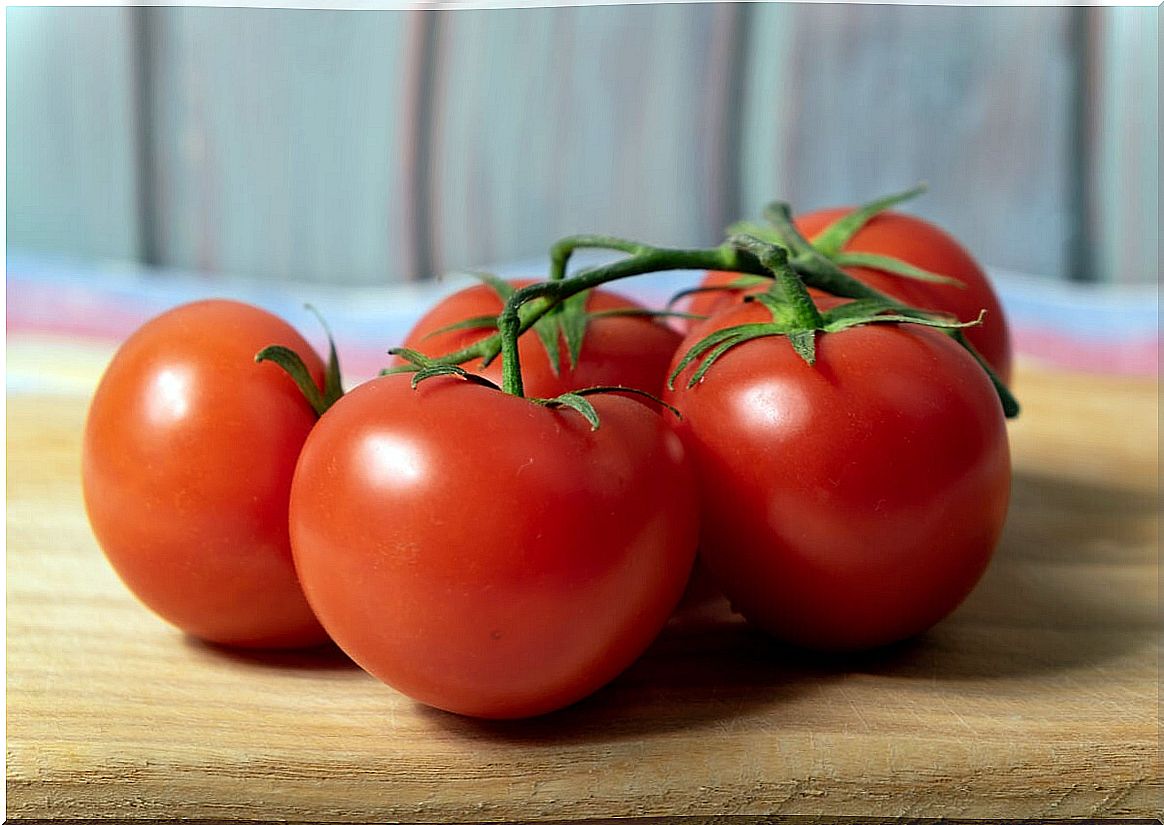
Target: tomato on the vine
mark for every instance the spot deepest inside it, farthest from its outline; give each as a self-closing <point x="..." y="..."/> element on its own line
<point x="628" y="350"/>
<point x="188" y="453"/>
<point x="926" y="246"/>
<point x="487" y="555"/>
<point x="852" y="502"/>
<point x="920" y="244"/>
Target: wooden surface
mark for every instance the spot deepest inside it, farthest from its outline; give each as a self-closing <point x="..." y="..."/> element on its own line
<point x="1038" y="698"/>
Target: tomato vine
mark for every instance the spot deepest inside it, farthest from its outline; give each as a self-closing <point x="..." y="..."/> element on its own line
<point x="801" y="264"/>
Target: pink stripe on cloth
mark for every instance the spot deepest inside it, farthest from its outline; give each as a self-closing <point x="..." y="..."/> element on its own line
<point x="1132" y="356"/>
<point x="1085" y="329"/>
<point x="75" y="311"/>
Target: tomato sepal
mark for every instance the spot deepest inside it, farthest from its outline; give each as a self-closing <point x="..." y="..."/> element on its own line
<point x="643" y="312"/>
<point x="476" y="322"/>
<point x="715" y="345"/>
<point x="831" y="240"/>
<point x="577" y="401"/>
<point x="292" y="363"/>
<point x="423" y="368"/>
<point x="894" y="266"/>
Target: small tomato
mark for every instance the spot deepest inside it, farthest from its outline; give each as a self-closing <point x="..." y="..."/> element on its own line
<point x="487" y="555"/>
<point x="849" y="503"/>
<point x="188" y="453"/>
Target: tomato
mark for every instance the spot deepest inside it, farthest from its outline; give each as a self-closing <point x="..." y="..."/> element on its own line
<point x="622" y="350"/>
<point x="486" y="555"/>
<point x="927" y="247"/>
<point x="923" y="245"/>
<point x="188" y="453"/>
<point x="854" y="502"/>
<point x="715" y="301"/>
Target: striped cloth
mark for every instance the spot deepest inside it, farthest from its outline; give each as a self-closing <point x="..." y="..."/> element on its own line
<point x="64" y="319"/>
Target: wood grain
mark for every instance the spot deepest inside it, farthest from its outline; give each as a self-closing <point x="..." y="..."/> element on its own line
<point x="1037" y="698"/>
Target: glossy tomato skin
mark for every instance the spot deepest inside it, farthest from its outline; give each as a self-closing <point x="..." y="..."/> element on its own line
<point x="485" y="555"/>
<point x="916" y="242"/>
<point x="188" y="453"/>
<point x="627" y="351"/>
<point x="852" y="503"/>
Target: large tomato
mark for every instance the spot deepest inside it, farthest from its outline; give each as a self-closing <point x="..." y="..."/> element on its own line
<point x="923" y="245"/>
<point x="486" y="555"/>
<point x="189" y="450"/>
<point x="850" y="503"/>
<point x="617" y="350"/>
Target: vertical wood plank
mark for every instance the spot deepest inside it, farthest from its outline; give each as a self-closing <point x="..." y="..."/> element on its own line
<point x="279" y="139"/>
<point x="72" y="185"/>
<point x="563" y="120"/>
<point x="847" y="102"/>
<point x="1124" y="162"/>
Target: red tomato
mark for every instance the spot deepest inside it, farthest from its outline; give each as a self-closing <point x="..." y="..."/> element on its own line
<point x="483" y="554"/>
<point x="715" y="301"/>
<point x="851" y="503"/>
<point x="923" y="245"/>
<point x="189" y="450"/>
<point x="627" y="351"/>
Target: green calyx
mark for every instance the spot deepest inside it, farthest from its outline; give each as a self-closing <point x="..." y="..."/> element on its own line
<point x="776" y="254"/>
<point x="794" y="315"/>
<point x="423" y="368"/>
<point x="826" y="252"/>
<point x="291" y="363"/>
<point x="833" y="238"/>
<point x="566" y="321"/>
<point x="577" y="401"/>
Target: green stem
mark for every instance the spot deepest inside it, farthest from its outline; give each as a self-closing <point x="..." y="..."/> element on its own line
<point x="561" y="251"/>
<point x="533" y="305"/>
<point x="510" y="326"/>
<point x="820" y="272"/>
<point x="538" y="299"/>
<point x="526" y="306"/>
<point x="803" y="312"/>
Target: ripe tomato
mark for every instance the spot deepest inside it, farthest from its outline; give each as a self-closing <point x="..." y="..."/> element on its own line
<point x="715" y="301"/>
<point x="486" y="555"/>
<point x="850" y="503"/>
<point x="927" y="247"/>
<point x="923" y="245"/>
<point x="618" y="350"/>
<point x="188" y="453"/>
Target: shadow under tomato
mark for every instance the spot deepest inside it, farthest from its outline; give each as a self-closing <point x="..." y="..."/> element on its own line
<point x="705" y="672"/>
<point x="326" y="656"/>
<point x="1058" y="596"/>
<point x="1066" y="589"/>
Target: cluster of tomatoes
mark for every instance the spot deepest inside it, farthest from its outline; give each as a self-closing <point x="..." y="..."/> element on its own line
<point x="501" y="558"/>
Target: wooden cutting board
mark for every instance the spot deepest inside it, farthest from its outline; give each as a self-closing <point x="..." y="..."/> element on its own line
<point x="1037" y="698"/>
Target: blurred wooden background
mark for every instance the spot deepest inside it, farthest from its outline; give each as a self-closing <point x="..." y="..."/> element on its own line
<point x="362" y="147"/>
